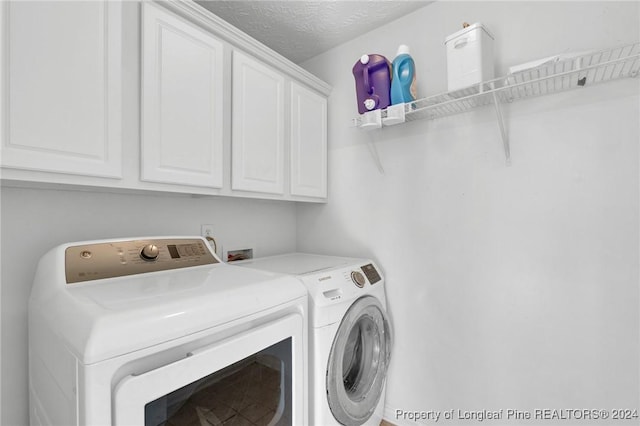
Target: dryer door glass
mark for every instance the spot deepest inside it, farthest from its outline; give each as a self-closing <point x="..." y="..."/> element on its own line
<point x="358" y="362"/>
<point x="242" y="379"/>
<point x="251" y="391"/>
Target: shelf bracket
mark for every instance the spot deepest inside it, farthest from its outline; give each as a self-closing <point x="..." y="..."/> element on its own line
<point x="374" y="154"/>
<point x="503" y="131"/>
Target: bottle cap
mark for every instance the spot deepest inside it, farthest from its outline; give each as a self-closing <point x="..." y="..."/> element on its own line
<point x="364" y="59"/>
<point x="403" y="49"/>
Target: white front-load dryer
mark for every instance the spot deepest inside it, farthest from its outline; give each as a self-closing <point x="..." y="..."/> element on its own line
<point x="349" y="335"/>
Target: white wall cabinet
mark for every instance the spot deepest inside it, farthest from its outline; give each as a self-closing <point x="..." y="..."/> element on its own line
<point x="258" y="138"/>
<point x="154" y="96"/>
<point x="61" y="87"/>
<point x="308" y="142"/>
<point x="182" y="101"/>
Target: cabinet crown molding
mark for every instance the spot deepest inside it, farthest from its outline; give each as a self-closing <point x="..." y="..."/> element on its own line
<point x="204" y="18"/>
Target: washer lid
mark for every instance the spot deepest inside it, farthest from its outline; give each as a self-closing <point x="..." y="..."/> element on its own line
<point x="105" y="318"/>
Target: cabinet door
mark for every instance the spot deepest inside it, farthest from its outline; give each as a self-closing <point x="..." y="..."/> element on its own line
<point x="181" y="101"/>
<point x="308" y="143"/>
<point x="257" y="127"/>
<point x="61" y="87"/>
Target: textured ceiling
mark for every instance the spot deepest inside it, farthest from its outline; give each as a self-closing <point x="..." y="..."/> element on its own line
<point x="300" y="30"/>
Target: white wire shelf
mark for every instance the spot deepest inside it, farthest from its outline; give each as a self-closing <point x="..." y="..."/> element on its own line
<point x="581" y="71"/>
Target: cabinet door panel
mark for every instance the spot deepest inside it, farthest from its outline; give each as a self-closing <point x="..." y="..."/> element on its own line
<point x="63" y="87"/>
<point x="257" y="127"/>
<point x="181" y="100"/>
<point x="308" y="143"/>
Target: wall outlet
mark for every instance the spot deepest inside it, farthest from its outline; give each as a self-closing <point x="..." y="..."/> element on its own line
<point x="206" y="231"/>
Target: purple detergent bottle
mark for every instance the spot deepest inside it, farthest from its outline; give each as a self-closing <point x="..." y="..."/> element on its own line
<point x="373" y="82"/>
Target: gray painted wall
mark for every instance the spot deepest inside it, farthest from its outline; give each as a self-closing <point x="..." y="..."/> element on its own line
<point x="509" y="287"/>
<point x="34" y="221"/>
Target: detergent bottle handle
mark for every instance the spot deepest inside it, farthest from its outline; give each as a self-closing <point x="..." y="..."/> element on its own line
<point x="365" y="79"/>
<point x="403" y="68"/>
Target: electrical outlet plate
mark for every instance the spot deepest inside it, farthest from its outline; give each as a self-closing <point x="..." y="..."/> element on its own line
<point x="206" y="230"/>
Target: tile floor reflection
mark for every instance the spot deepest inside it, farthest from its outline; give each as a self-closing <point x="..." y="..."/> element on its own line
<point x="247" y="397"/>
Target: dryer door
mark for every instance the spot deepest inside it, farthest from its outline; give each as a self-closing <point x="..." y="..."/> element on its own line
<point x="208" y="385"/>
<point x="358" y="362"/>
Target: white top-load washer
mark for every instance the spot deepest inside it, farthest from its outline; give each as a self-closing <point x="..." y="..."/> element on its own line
<point x="144" y="331"/>
<point x="350" y="335"/>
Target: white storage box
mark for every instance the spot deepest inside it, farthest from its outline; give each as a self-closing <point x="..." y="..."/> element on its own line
<point x="469" y="57"/>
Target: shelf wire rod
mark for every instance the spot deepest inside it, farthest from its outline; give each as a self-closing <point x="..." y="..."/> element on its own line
<point x="448" y="107"/>
<point x="547" y="83"/>
<point x="441" y="111"/>
<point x="519" y="80"/>
<point x="602" y="75"/>
<point x="628" y="49"/>
<point x="566" y="82"/>
<point x="617" y="53"/>
<point x="610" y="68"/>
<point x="599" y="57"/>
<point x="464" y="105"/>
<point x="467" y="104"/>
<point x="634" y="68"/>
<point x="620" y="68"/>
<point x="453" y="108"/>
<point x="599" y="74"/>
<point x="537" y="86"/>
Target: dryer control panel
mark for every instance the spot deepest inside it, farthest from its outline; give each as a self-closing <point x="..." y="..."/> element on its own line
<point x="121" y="258"/>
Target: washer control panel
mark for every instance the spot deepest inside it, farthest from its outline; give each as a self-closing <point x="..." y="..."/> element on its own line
<point x="371" y="272"/>
<point x="358" y="279"/>
<point x="121" y="258"/>
<point x="347" y="282"/>
<point x="372" y="275"/>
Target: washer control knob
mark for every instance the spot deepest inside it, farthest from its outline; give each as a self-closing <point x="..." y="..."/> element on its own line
<point x="149" y="252"/>
<point x="358" y="279"/>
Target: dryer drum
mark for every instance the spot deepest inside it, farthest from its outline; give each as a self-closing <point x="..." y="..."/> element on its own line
<point x="358" y="362"/>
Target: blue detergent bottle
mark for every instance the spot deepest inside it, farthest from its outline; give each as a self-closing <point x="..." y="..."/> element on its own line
<point x="403" y="81"/>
